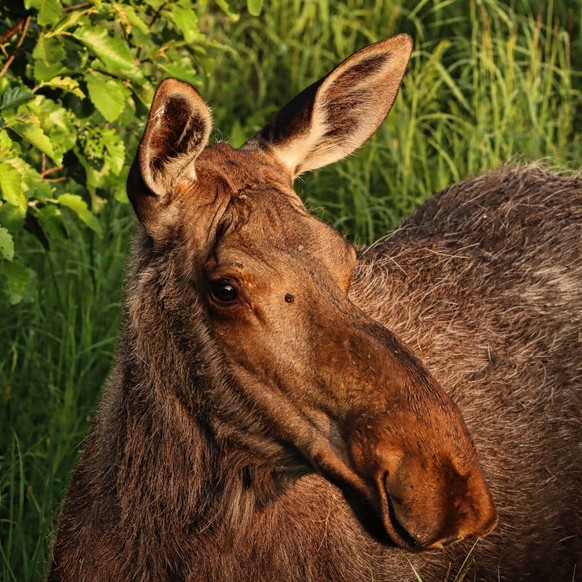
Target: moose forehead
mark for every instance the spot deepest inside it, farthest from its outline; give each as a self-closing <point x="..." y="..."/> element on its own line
<point x="245" y="205"/>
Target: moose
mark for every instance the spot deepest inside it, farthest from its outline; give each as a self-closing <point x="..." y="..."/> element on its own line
<point x="285" y="406"/>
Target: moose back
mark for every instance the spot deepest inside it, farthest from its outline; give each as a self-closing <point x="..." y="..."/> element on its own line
<point x="287" y="407"/>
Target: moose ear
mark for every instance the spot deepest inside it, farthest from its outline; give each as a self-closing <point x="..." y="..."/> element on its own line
<point x="335" y="116"/>
<point x="177" y="131"/>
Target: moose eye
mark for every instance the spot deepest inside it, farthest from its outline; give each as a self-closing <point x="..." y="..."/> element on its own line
<point x="223" y="291"/>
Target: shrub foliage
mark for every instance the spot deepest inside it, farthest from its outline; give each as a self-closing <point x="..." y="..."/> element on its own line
<point x="75" y="85"/>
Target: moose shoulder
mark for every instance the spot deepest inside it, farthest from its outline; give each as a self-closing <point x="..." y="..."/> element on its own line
<point x="284" y="407"/>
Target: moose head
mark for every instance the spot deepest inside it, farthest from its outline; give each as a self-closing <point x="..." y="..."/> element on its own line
<point x="299" y="376"/>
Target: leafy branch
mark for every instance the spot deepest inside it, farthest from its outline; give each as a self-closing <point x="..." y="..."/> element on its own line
<point x="23" y="25"/>
<point x="74" y="90"/>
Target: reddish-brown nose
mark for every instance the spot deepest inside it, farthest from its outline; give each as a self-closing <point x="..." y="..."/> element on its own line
<point x="433" y="513"/>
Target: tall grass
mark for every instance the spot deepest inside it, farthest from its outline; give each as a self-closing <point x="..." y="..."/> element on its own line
<point x="57" y="352"/>
<point x="488" y="82"/>
<point x="485" y="85"/>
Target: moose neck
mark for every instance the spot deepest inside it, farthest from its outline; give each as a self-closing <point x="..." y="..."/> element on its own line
<point x="178" y="406"/>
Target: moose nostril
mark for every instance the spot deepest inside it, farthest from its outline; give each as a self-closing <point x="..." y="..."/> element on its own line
<point x="415" y="527"/>
<point x="435" y="508"/>
<point x="399" y="528"/>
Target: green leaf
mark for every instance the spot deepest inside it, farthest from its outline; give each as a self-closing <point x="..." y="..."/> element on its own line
<point x="18" y="280"/>
<point x="237" y="135"/>
<point x="108" y="95"/>
<point x="111" y="51"/>
<point x="6" y="244"/>
<point x="156" y="4"/>
<point x="71" y="19"/>
<point x="14" y="97"/>
<point x="49" y="11"/>
<point x="11" y="185"/>
<point x="79" y="207"/>
<point x="255" y="7"/>
<point x="144" y="92"/>
<point x="187" y="21"/>
<point x="35" y="135"/>
<point x="12" y="217"/>
<point x="182" y="69"/>
<point x="33" y="184"/>
<point x="66" y="84"/>
<point x="102" y="154"/>
<point x="56" y="122"/>
<point x="49" y="55"/>
<point x="136" y="21"/>
<point x="229" y="9"/>
<point x="50" y="50"/>
<point x="51" y="220"/>
<point x="121" y="193"/>
<point x="115" y="149"/>
<point x="7" y="147"/>
<point x="44" y="72"/>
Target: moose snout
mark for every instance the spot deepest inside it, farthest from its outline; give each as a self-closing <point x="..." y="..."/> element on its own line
<point x="433" y="511"/>
<point x="429" y="486"/>
<point x="410" y="448"/>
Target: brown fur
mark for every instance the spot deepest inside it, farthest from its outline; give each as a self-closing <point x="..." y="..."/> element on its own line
<point x="289" y="435"/>
<point x="483" y="282"/>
